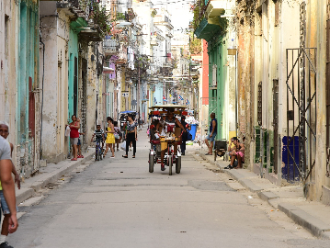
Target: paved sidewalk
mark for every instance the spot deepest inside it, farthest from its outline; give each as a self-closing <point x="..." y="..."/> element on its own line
<point x="312" y="215"/>
<point x="49" y="174"/>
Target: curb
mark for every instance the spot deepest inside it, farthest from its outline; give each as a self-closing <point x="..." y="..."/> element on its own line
<point x="25" y="193"/>
<point x="315" y="226"/>
<point x="244" y="181"/>
<point x="267" y="196"/>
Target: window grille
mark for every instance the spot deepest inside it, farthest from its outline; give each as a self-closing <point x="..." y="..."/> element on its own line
<point x="259" y="117"/>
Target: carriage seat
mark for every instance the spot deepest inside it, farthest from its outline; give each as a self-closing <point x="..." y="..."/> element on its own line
<point x="155" y="142"/>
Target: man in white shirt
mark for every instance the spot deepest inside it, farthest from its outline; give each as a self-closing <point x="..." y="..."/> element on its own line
<point x="8" y="184"/>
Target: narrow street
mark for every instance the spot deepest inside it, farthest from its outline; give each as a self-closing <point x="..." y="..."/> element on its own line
<point x="117" y="203"/>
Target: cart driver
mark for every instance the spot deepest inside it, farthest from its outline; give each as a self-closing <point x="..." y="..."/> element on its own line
<point x="170" y="118"/>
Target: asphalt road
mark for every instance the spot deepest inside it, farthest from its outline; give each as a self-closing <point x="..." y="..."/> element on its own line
<point x="118" y="203"/>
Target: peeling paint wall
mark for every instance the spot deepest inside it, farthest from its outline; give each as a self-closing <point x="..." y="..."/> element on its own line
<point x="27" y="84"/>
<point x="245" y="70"/>
<point x="54" y="28"/>
<point x="94" y="92"/>
<point x="8" y="59"/>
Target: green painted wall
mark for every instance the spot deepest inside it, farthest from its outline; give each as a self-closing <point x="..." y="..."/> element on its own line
<point x="217" y="50"/>
<point x="27" y="70"/>
<point x="73" y="62"/>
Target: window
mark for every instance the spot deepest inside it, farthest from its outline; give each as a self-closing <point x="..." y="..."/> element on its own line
<point x="259" y="106"/>
<point x="214" y="75"/>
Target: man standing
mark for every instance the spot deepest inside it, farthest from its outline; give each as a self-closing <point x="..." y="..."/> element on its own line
<point x="4" y="132"/>
<point x="212" y="133"/>
<point x="8" y="183"/>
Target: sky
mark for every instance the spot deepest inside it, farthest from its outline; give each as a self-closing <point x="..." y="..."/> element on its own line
<point x="181" y="16"/>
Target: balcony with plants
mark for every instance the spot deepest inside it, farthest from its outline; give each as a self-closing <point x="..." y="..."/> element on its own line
<point x="207" y="21"/>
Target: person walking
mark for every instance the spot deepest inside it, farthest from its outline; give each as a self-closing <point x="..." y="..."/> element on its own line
<point x="110" y="141"/>
<point x="184" y="135"/>
<point x="131" y="135"/>
<point x="8" y="185"/>
<point x="117" y="135"/>
<point x="74" y="136"/>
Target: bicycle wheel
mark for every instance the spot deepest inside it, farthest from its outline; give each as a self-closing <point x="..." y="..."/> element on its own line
<point x="96" y="154"/>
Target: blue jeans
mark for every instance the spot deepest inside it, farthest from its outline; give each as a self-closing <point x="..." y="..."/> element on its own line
<point x="211" y="138"/>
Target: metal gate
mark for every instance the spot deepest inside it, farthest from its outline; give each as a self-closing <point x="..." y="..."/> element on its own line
<point x="300" y="143"/>
<point x="301" y="112"/>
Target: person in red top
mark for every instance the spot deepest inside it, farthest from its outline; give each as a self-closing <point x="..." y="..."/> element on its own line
<point x="74" y="136"/>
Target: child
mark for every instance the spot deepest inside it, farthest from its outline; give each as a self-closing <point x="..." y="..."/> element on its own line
<point x="99" y="134"/>
<point x="117" y="134"/>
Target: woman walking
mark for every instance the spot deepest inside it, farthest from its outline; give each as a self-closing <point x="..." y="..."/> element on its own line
<point x="117" y="135"/>
<point x="131" y="135"/>
<point x="110" y="141"/>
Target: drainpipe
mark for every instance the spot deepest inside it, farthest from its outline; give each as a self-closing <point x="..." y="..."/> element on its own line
<point x="42" y="93"/>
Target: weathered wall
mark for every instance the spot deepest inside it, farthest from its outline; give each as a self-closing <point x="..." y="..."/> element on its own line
<point x="27" y="84"/>
<point x="321" y="180"/>
<point x="8" y="59"/>
<point x="54" y="29"/>
<point x="245" y="12"/>
<point x="48" y="30"/>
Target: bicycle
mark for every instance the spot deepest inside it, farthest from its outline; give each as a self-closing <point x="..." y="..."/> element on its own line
<point x="98" y="151"/>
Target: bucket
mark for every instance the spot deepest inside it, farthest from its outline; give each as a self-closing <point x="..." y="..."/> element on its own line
<point x="193" y="130"/>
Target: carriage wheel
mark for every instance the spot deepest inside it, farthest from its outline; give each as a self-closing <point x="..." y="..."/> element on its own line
<point x="178" y="165"/>
<point x="170" y="164"/>
<point x="151" y="163"/>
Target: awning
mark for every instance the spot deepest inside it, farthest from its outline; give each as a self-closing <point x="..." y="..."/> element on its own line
<point x="127" y="112"/>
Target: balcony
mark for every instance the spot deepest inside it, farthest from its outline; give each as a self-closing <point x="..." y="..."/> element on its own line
<point x="153" y="41"/>
<point x="215" y="8"/>
<point x="163" y="20"/>
<point x="122" y="55"/>
<point x="212" y="24"/>
<point x="169" y="34"/>
<point x="67" y="4"/>
<point x="110" y="46"/>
